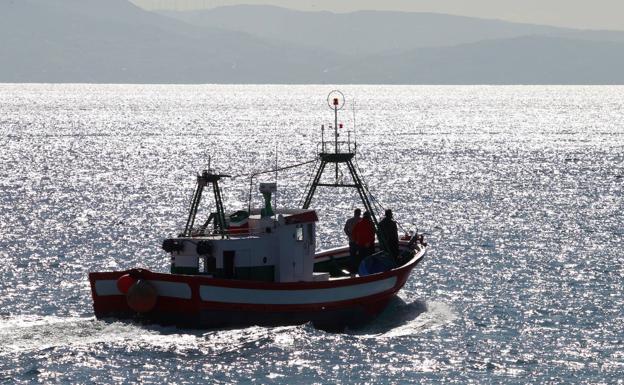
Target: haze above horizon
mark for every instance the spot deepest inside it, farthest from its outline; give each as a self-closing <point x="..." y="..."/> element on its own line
<point x="69" y="41"/>
<point x="597" y="14"/>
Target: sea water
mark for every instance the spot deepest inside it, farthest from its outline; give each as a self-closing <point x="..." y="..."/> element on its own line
<point x="518" y="188"/>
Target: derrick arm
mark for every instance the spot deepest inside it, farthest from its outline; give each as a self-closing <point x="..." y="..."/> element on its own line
<point x="315" y="182"/>
<point x="202" y="181"/>
<point x="194" y="207"/>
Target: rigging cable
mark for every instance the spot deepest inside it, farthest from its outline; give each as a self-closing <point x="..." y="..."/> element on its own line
<point x="255" y="174"/>
<point x="379" y="207"/>
<point x="307" y="187"/>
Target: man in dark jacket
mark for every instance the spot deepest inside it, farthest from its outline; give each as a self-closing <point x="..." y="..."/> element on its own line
<point x="388" y="230"/>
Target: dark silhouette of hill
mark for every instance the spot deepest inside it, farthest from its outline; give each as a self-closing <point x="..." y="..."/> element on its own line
<point x="112" y="41"/>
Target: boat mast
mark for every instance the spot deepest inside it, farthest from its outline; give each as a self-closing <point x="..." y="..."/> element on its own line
<point x="335" y="102"/>
<point x="204" y="180"/>
<point x="343" y="155"/>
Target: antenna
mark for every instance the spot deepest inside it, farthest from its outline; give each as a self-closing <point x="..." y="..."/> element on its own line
<point x="336" y="101"/>
<point x="354" y="129"/>
<point x="349" y="139"/>
<point x="276" y="169"/>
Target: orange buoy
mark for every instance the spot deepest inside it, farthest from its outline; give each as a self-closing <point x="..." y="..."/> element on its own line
<point x="142" y="296"/>
<point x="125" y="282"/>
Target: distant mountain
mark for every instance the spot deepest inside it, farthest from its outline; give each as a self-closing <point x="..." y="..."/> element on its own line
<point x="524" y="60"/>
<point x="370" y="32"/>
<point x="115" y="41"/>
<point x="112" y="41"/>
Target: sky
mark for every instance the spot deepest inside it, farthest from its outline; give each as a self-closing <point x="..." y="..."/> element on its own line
<point x="585" y="14"/>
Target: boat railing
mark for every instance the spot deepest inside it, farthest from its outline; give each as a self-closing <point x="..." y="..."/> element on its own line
<point x="340" y="147"/>
<point x="231" y="232"/>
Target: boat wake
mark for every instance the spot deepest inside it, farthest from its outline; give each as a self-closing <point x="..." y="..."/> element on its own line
<point x="26" y="334"/>
<point x="404" y="318"/>
<point x="29" y="334"/>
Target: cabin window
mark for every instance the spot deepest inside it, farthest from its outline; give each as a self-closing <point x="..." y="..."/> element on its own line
<point x="299" y="233"/>
<point x="228" y="263"/>
<point x="210" y="264"/>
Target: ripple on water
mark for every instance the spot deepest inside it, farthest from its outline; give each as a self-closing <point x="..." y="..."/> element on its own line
<point x="520" y="189"/>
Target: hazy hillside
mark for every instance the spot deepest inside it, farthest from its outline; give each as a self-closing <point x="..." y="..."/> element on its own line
<point x="369" y="32"/>
<point x="115" y="42"/>
<point x="364" y="32"/>
<point x="525" y="60"/>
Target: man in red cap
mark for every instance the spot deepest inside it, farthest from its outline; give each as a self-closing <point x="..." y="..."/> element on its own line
<point x="364" y="238"/>
<point x="348" y="229"/>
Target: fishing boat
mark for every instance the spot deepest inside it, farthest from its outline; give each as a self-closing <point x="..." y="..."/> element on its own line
<point x="260" y="266"/>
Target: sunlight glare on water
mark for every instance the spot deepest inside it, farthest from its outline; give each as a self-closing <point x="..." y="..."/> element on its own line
<point x="519" y="189"/>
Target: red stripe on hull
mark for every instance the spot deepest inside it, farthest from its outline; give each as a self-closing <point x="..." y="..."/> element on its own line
<point x="198" y="313"/>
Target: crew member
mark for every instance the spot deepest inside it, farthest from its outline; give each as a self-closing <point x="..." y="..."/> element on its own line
<point x="364" y="237"/>
<point x="388" y="230"/>
<point x="348" y="229"/>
